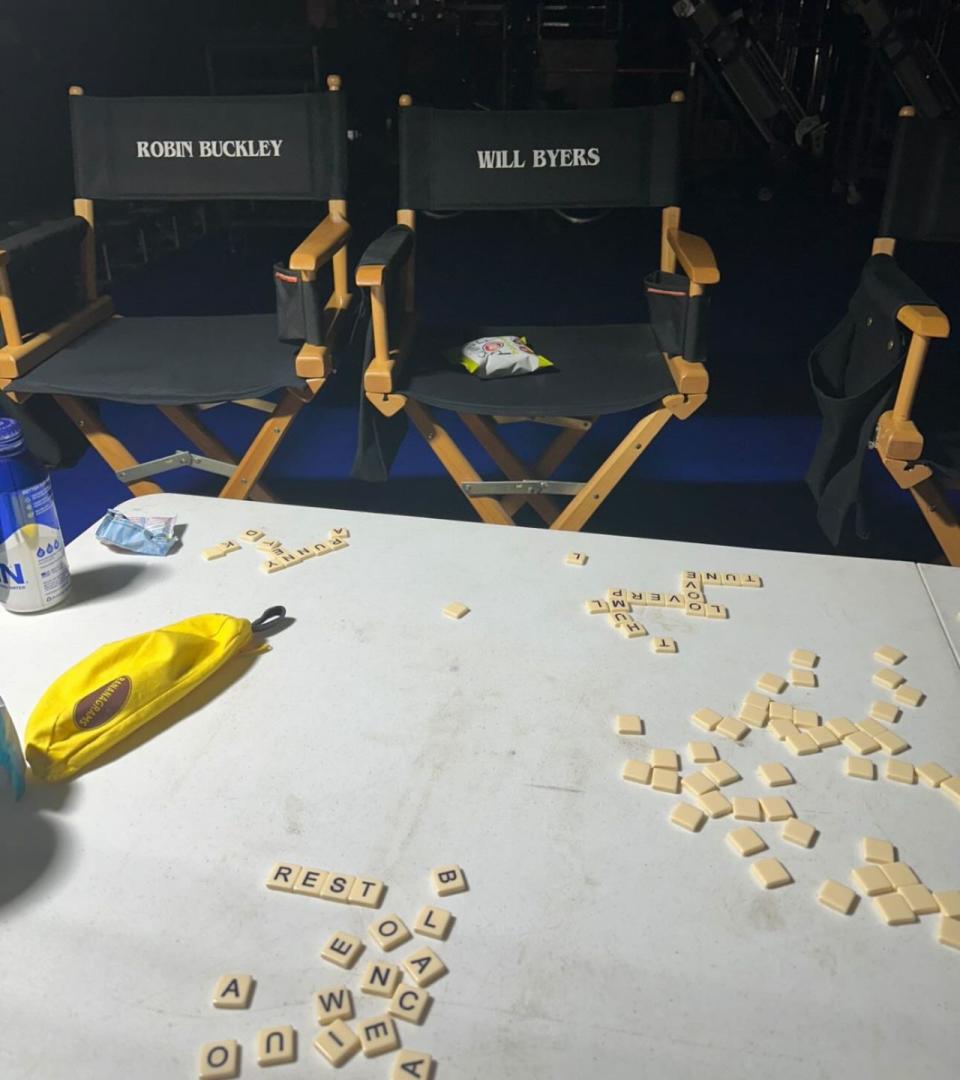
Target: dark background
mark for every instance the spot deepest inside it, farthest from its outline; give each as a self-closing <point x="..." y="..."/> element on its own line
<point x="789" y="209"/>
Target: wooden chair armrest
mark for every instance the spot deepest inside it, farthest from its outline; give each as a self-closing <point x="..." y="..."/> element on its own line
<point x="378" y="378"/>
<point x="695" y="256"/>
<point x="371" y="274"/>
<point x="321" y="245"/>
<point x="393" y="248"/>
<point x="924" y="319"/>
<point x="17" y="360"/>
<point x="898" y="439"/>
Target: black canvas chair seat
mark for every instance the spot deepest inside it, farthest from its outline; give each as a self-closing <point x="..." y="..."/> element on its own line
<point x="597" y="370"/>
<point x="168" y="360"/>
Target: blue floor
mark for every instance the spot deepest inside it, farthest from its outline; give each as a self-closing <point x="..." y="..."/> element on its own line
<point x="731" y="474"/>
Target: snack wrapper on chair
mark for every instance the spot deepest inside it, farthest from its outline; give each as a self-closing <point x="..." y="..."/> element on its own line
<point x="499" y="357"/>
<point x="124" y="685"/>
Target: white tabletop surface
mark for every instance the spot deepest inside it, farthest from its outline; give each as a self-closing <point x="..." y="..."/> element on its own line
<point x="943" y="585"/>
<point x="378" y="737"/>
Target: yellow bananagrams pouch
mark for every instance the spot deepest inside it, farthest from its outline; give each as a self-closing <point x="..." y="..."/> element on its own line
<point x="124" y="685"/>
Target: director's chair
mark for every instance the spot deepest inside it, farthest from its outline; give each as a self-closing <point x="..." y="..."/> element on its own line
<point x="596" y="158"/>
<point x="60" y="338"/>
<point x="866" y="374"/>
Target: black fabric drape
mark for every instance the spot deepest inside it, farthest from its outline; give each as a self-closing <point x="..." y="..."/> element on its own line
<point x="854" y="372"/>
<point x="47" y="430"/>
<point x="378" y="436"/>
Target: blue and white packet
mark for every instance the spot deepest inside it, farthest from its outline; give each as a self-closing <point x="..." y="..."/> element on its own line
<point x="143" y="535"/>
<point x="12" y="767"/>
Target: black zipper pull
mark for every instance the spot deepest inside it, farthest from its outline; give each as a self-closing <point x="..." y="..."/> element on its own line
<point x="268" y="618"/>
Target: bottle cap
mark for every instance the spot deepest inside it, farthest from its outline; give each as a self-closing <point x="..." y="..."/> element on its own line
<point x="11" y="437"/>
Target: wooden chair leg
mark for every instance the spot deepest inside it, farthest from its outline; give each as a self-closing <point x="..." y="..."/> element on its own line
<point x="484" y="431"/>
<point x="243" y="482"/>
<point x="584" y="504"/>
<point x="455" y="463"/>
<point x="547" y="464"/>
<point x="207" y="443"/>
<point x="108" y="446"/>
<point x="940" y="517"/>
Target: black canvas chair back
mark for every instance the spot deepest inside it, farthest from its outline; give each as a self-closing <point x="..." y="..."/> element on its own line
<point x="521" y="160"/>
<point x="866" y="373"/>
<point x="597" y="159"/>
<point x="59" y="339"/>
<point x="285" y="146"/>
<point x="922" y="199"/>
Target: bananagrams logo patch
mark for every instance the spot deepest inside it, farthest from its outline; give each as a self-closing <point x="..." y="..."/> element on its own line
<point x="101" y="706"/>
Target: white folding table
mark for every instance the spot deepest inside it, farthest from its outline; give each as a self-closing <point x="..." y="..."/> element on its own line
<point x="378" y="737"/>
<point x="943" y="585"/>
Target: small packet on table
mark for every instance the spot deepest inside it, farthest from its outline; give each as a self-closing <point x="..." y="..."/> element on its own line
<point x="142" y="535"/>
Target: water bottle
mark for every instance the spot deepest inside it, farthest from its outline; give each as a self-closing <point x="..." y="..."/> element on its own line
<point x="34" y="575"/>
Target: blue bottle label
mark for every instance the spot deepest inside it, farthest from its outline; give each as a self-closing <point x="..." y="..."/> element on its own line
<point x="33" y="564"/>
